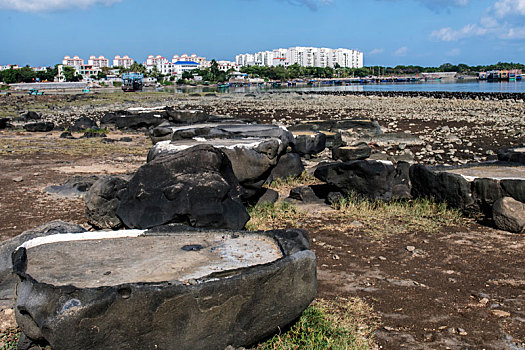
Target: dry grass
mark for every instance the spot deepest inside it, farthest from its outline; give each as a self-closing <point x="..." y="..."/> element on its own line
<point x="269" y="216"/>
<point x="343" y="324"/>
<point x="381" y="219"/>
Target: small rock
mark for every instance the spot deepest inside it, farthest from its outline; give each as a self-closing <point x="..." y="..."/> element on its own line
<point x="484" y="301"/>
<point x="387" y="328"/>
<point x="335" y="257"/>
<point x="18" y="179"/>
<point x="411" y="248"/>
<point x="382" y="258"/>
<point x="500" y="313"/>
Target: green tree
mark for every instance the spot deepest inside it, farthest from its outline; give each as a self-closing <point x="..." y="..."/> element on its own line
<point x="70" y="74"/>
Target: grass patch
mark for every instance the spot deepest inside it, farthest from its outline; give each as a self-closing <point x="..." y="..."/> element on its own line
<point x="304" y="179"/>
<point x="381" y="219"/>
<point x="97" y="130"/>
<point x="344" y="324"/>
<point x="269" y="216"/>
<point x="9" y="339"/>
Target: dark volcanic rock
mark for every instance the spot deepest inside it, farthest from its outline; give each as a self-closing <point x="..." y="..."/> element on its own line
<point x="289" y="164"/>
<point x="233" y="306"/>
<point x="308" y="142"/>
<point x="4" y="123"/>
<point x="77" y="186"/>
<point x="333" y="139"/>
<point x="515" y="154"/>
<point x="102" y="202"/>
<point x="401" y="188"/>
<point x="29" y="116"/>
<point x="195" y="186"/>
<point x="364" y="177"/>
<point x="7" y="279"/>
<point x="82" y="123"/>
<point x="305" y="194"/>
<point x="269" y="196"/>
<point x="356" y="152"/>
<point x="67" y="135"/>
<point x="509" y="215"/>
<point x="39" y="127"/>
<point x="93" y="134"/>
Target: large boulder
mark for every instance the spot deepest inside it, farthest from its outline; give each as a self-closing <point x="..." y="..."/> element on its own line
<point x="7" y="279"/>
<point x="514" y="154"/>
<point x="102" y="201"/>
<point x="509" y="215"/>
<point x="194" y="186"/>
<point x="367" y="178"/>
<point x="350" y="129"/>
<point x="288" y="165"/>
<point x="167" y="288"/>
<point x="308" y="142"/>
<point x="39" y="127"/>
<point x="82" y="123"/>
<point x="359" y="151"/>
<point x="473" y="188"/>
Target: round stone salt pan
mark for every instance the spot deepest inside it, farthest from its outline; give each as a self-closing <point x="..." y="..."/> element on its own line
<point x="89" y="261"/>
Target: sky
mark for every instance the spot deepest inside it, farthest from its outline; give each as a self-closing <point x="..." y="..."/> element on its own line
<point x="388" y="32"/>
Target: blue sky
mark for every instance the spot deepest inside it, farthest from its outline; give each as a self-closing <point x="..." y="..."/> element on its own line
<point x="389" y="32"/>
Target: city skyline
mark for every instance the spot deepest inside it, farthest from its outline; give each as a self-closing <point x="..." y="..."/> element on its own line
<point x="388" y="32"/>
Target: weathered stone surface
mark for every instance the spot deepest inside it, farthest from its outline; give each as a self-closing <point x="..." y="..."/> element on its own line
<point x="308" y="142"/>
<point x="82" y="123"/>
<point x="76" y="186"/>
<point x="102" y="201"/>
<point x="509" y="215"/>
<point x="28" y="116"/>
<point x="269" y="196"/>
<point x="288" y="165"/>
<point x="7" y="279"/>
<point x="195" y="186"/>
<point x="225" y="305"/>
<point x="401" y="188"/>
<point x="304" y="194"/>
<point x="39" y="127"/>
<point x="4" y="123"/>
<point x="368" y="178"/>
<point x="348" y="153"/>
<point x="515" y="154"/>
<point x="333" y="139"/>
<point x="442" y="186"/>
<point x="473" y="188"/>
<point x="252" y="158"/>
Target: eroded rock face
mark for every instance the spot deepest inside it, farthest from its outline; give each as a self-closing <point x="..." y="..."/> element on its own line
<point x="195" y="186"/>
<point x="473" y="188"/>
<point x="308" y="142"/>
<point x="364" y="177"/>
<point x="102" y="201"/>
<point x="515" y="154"/>
<point x="7" y="279"/>
<point x="509" y="215"/>
<point x="233" y="288"/>
<point x="39" y="127"/>
<point x="348" y="153"/>
<point x="289" y="164"/>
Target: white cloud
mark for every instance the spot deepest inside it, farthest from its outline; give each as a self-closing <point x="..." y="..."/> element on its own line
<point x="50" y="5"/>
<point x="402" y="51"/>
<point x="504" y="8"/>
<point x="376" y="51"/>
<point x="449" y="34"/>
<point x="514" y="33"/>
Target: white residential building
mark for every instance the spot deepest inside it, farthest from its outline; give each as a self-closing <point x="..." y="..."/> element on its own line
<point x="183" y="66"/>
<point x="156" y="61"/>
<point x="72" y="62"/>
<point x="303" y="56"/>
<point x="227" y="65"/>
<point x="124" y="62"/>
<point x="99" y="62"/>
<point x="193" y="58"/>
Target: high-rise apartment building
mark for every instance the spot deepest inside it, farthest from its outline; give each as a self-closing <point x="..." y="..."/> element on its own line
<point x="99" y="62"/>
<point x="125" y="61"/>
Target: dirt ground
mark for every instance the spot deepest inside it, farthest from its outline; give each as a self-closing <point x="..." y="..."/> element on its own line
<point x="462" y="287"/>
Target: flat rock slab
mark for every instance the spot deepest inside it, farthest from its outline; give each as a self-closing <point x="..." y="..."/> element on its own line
<point x="93" y="262"/>
<point x="171" y="287"/>
<point x="493" y="172"/>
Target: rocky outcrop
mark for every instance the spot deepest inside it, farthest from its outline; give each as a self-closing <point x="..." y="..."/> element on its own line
<point x="102" y="201"/>
<point x="515" y="154"/>
<point x="190" y="289"/>
<point x="509" y="215"/>
<point x="367" y="178"/>
<point x="359" y="151"/>
<point x="288" y="165"/>
<point x="81" y="124"/>
<point x="76" y="186"/>
<point x="308" y="142"/>
<point x="194" y="186"/>
<point x="39" y="127"/>
<point x="473" y="188"/>
<point x="7" y="279"/>
<point x="402" y="139"/>
<point x="349" y="129"/>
